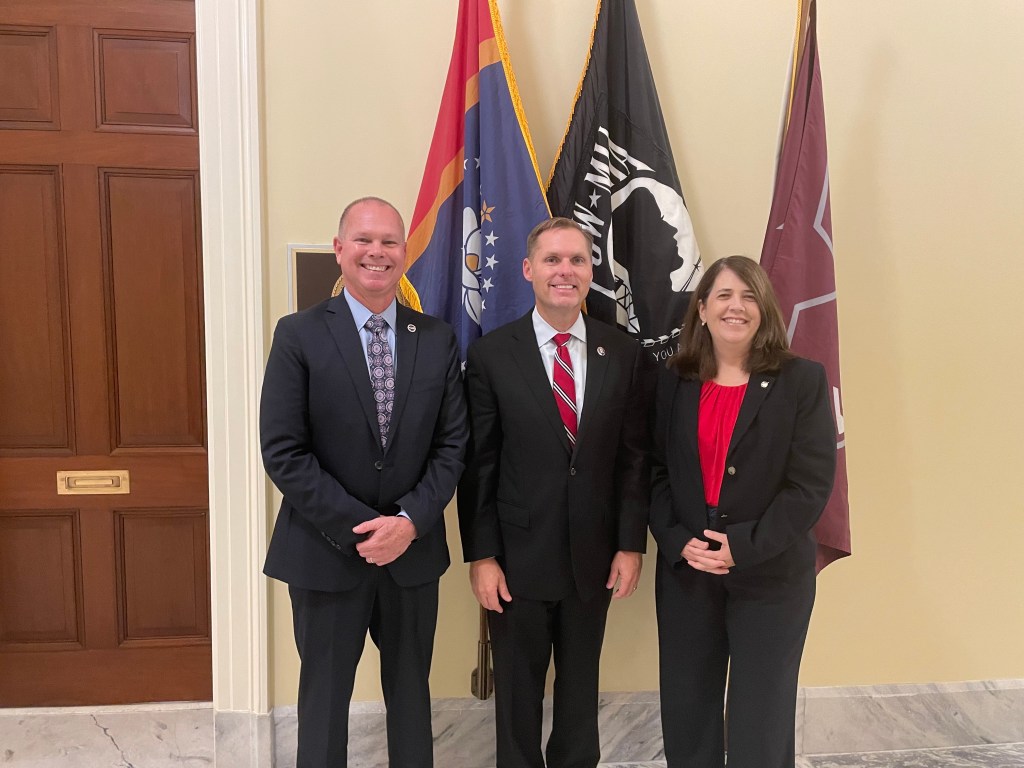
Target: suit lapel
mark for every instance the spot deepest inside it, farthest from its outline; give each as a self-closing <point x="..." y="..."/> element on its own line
<point x="597" y="366"/>
<point x="689" y="406"/>
<point x="527" y="357"/>
<point x="757" y="390"/>
<point x="407" y="340"/>
<point x="343" y="329"/>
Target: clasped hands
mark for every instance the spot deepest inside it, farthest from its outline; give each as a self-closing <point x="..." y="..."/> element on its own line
<point x="490" y="588"/>
<point x="698" y="555"/>
<point x="388" y="536"/>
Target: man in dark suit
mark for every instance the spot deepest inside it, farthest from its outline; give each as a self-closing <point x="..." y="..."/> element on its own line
<point x="553" y="504"/>
<point x="363" y="429"/>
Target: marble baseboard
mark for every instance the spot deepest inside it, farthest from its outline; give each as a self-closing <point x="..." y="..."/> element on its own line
<point x="243" y="740"/>
<point x="830" y="721"/>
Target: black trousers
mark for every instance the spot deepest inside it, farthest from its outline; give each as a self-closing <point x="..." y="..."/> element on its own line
<point x="752" y="629"/>
<point x="330" y="631"/>
<point x="523" y="639"/>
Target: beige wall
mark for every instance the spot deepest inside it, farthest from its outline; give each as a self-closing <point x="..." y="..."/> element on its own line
<point x="925" y="110"/>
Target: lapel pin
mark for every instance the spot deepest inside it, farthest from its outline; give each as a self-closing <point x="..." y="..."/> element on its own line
<point x="764" y="385"/>
<point x="411" y="327"/>
<point x="600" y="351"/>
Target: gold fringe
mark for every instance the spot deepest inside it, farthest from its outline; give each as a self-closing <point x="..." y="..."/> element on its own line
<point x="408" y="295"/>
<point x="576" y="98"/>
<point x="406" y="292"/>
<point x="506" y="63"/>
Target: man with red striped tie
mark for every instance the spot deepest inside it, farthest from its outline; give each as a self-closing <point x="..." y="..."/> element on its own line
<point x="553" y="502"/>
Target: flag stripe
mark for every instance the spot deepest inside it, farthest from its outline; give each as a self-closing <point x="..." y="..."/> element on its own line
<point x="450" y="179"/>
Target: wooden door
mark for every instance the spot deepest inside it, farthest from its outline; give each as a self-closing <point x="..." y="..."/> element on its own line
<point x="104" y="596"/>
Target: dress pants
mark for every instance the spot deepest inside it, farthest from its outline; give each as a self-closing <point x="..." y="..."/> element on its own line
<point x="750" y="627"/>
<point x="523" y="639"/>
<point x="330" y="631"/>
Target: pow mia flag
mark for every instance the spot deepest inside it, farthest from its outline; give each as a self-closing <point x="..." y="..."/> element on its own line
<point x="615" y="176"/>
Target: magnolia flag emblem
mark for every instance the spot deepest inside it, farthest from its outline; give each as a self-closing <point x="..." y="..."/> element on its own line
<point x="615" y="176"/>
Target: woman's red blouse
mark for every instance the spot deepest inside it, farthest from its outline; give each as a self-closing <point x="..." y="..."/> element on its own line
<point x="716" y="419"/>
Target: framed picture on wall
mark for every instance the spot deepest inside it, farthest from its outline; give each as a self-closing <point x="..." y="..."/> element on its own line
<point x="312" y="273"/>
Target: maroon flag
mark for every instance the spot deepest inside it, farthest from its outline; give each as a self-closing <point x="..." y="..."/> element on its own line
<point x="798" y="257"/>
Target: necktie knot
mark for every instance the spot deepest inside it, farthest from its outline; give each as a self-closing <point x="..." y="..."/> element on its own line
<point x="561" y="339"/>
<point x="375" y="324"/>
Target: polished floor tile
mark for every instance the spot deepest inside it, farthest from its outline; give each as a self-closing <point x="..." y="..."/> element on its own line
<point x="162" y="737"/>
<point x="99" y="738"/>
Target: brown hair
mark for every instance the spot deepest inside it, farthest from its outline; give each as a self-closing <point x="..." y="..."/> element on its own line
<point x="695" y="358"/>
<point x="557" y="222"/>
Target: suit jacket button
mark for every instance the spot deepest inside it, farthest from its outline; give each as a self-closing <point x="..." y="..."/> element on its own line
<point x="731" y="470"/>
<point x="572" y="471"/>
<point x="378" y="464"/>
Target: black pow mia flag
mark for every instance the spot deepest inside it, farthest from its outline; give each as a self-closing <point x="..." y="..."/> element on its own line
<point x="615" y="176"/>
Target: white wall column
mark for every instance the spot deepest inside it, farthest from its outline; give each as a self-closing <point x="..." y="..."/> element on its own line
<point x="227" y="35"/>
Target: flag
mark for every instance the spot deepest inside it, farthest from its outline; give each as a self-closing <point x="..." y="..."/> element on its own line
<point x="481" y="192"/>
<point x="614" y="174"/>
<point x="799" y="259"/>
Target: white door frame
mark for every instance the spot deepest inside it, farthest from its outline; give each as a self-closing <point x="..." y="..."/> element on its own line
<point x="227" y="47"/>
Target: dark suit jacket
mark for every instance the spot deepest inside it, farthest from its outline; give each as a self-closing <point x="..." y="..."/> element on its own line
<point x="779" y="469"/>
<point x="321" y="445"/>
<point x="554" y="519"/>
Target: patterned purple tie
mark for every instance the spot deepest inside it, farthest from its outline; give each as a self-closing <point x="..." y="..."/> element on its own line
<point x="564" y="385"/>
<point x="382" y="374"/>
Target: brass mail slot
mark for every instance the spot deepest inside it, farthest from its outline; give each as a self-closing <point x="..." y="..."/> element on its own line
<point x="102" y="481"/>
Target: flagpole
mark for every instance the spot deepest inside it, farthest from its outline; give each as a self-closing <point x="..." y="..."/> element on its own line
<point x="803" y="10"/>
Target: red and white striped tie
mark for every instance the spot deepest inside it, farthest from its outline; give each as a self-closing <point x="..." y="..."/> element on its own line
<point x="564" y="386"/>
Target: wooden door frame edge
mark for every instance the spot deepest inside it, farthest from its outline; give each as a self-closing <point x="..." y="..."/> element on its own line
<point x="227" y="49"/>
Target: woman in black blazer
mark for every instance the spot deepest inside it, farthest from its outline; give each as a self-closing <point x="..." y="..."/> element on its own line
<point x="744" y="462"/>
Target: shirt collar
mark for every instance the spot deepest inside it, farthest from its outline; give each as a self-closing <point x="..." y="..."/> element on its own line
<point x="361" y="314"/>
<point x="544" y="331"/>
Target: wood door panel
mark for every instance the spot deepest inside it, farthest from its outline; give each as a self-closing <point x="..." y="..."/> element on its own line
<point x="106" y="676"/>
<point x="35" y="385"/>
<point x="159" y="480"/>
<point x="152" y="256"/>
<point x="145" y="82"/>
<point x="123" y="14"/>
<point x="162" y="576"/>
<point x="89" y="147"/>
<point x="40" y="580"/>
<point x="28" y="88"/>
<point x="104" y="599"/>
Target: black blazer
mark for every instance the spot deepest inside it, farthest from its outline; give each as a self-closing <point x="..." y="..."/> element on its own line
<point x="321" y="445"/>
<point x="553" y="518"/>
<point x="779" y="469"/>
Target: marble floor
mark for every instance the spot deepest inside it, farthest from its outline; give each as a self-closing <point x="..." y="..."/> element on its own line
<point x="166" y="735"/>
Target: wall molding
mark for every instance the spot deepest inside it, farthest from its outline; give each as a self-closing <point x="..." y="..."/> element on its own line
<point x="227" y="54"/>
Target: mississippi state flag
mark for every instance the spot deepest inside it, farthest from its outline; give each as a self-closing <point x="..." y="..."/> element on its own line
<point x="481" y="192"/>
